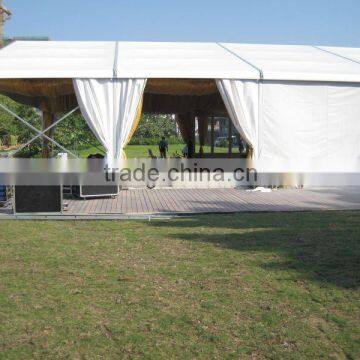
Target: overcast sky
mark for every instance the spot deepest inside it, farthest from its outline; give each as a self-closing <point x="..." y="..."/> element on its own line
<point x="317" y="22"/>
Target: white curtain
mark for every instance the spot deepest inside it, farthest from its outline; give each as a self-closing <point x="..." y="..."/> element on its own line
<point x="110" y="106"/>
<point x="241" y="98"/>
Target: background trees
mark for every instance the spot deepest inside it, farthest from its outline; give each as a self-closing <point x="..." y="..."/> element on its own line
<point x="152" y="127"/>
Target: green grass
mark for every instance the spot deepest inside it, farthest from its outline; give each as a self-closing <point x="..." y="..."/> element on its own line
<point x="141" y="151"/>
<point x="277" y="286"/>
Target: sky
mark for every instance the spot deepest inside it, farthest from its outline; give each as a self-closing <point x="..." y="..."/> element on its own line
<point x="314" y="22"/>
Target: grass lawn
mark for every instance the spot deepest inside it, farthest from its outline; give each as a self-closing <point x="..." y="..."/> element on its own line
<point x="141" y="151"/>
<point x="215" y="286"/>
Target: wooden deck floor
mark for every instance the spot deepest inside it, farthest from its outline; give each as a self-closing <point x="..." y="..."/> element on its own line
<point x="156" y="201"/>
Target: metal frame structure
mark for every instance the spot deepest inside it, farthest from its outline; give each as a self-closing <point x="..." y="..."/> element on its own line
<point x="39" y="132"/>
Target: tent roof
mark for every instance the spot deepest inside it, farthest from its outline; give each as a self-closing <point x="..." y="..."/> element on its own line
<point x="76" y="59"/>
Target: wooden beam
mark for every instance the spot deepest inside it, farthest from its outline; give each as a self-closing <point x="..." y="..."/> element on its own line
<point x="47" y="120"/>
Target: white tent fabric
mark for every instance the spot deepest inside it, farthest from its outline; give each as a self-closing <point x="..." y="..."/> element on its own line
<point x="302" y="120"/>
<point x="294" y="125"/>
<point x="352" y="54"/>
<point x="57" y="59"/>
<point x="180" y="60"/>
<point x="76" y="59"/>
<point x="109" y="106"/>
<point x="297" y="62"/>
<point x="79" y="59"/>
<point x="241" y="99"/>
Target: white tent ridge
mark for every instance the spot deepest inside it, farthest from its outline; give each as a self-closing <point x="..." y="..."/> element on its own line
<point x="80" y="59"/>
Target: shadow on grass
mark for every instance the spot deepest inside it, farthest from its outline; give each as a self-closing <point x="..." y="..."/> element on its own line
<point x="320" y="246"/>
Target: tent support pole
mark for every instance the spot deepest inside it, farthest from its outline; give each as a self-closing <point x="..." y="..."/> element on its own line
<point x="212" y="134"/>
<point x="229" y="137"/>
<point x="191" y="146"/>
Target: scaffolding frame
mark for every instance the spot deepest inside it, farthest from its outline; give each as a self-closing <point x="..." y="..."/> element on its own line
<point x="39" y="132"/>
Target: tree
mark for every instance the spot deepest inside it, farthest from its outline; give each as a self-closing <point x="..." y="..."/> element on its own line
<point x="155" y="126"/>
<point x="74" y="133"/>
<point x="10" y="125"/>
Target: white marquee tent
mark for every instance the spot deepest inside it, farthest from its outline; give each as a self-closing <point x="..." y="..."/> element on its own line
<point x="286" y="101"/>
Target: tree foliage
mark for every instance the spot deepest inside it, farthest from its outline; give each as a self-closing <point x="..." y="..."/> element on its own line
<point x="9" y="125"/>
<point x="74" y="133"/>
<point x="153" y="127"/>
